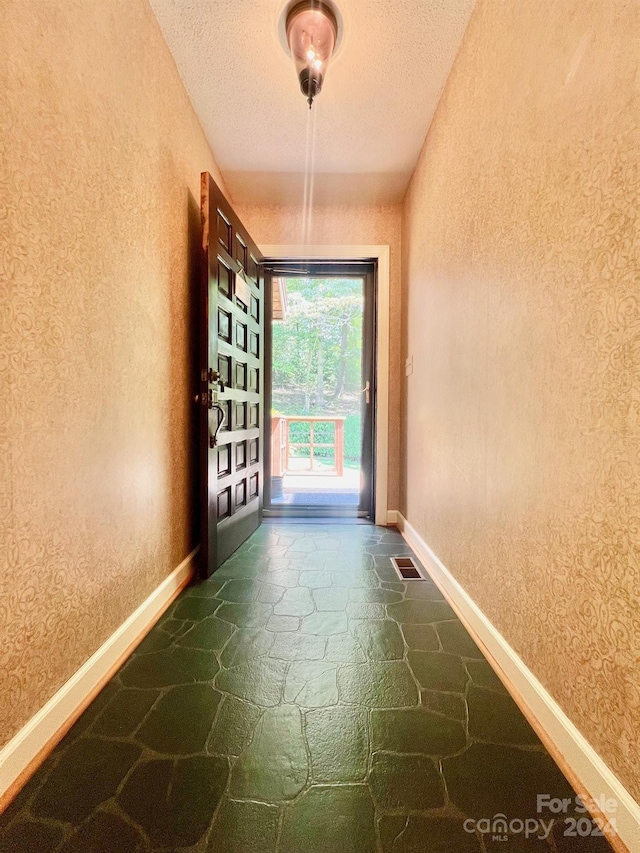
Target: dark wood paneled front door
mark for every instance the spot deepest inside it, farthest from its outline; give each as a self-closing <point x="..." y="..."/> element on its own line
<point x="231" y="378"/>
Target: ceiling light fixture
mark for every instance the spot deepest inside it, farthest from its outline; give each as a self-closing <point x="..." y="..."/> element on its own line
<point x="312" y="32"/>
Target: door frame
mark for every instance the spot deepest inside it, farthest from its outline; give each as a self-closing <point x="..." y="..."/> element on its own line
<point x="381" y="415"/>
<point x="364" y="270"/>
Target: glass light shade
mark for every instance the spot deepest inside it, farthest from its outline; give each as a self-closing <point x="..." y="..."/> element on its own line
<point x="311" y="34"/>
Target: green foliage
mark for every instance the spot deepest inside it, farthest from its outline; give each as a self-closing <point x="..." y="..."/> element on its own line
<point x="318" y="348"/>
<point x="299" y="432"/>
<point x="352" y="440"/>
<point x="324" y="433"/>
<point x="317" y="363"/>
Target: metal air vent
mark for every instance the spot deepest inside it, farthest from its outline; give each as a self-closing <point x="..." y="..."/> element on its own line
<point x="407" y="569"/>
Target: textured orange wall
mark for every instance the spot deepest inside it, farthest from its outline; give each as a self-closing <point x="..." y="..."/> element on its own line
<point x="521" y="275"/>
<point x="348" y="225"/>
<point x="100" y="161"/>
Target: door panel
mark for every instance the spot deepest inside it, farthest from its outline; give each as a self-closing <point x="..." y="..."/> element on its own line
<point x="230" y="382"/>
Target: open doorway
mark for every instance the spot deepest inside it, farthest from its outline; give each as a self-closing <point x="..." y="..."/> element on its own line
<point x="320" y="383"/>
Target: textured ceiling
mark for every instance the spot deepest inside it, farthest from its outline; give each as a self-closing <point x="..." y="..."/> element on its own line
<point x="370" y="120"/>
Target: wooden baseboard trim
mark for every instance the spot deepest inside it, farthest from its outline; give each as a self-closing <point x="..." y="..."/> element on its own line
<point x="580" y="763"/>
<point x="392" y="517"/>
<point x="25" y="752"/>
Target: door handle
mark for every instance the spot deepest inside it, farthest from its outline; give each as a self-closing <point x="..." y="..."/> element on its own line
<point x="213" y="439"/>
<point x="367" y="392"/>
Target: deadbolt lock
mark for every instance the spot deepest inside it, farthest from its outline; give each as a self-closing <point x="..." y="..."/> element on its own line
<point x="213" y="377"/>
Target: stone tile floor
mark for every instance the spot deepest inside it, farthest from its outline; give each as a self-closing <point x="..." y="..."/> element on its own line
<point x="303" y="700"/>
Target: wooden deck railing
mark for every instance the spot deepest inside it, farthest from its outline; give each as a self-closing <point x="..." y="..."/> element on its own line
<point x="282" y="446"/>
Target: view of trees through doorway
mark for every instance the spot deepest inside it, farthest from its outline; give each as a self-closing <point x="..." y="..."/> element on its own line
<point x="320" y="392"/>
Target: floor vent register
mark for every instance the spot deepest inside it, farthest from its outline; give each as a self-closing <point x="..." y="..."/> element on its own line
<point x="407" y="569"/>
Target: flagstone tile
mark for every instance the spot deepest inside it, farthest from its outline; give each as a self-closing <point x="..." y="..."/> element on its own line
<point x="274" y="766"/>
<point x="338" y="740"/>
<point x="337" y="818"/>
<point x="174" y="800"/>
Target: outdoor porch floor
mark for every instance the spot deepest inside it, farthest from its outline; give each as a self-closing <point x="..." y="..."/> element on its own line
<point x="318" y="488"/>
<point x="302" y="700"/>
